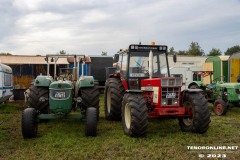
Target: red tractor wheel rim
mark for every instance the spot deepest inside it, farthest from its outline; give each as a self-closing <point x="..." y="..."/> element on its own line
<point x="219" y="108"/>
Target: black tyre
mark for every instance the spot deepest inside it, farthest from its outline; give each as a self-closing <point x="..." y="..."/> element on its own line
<point x="197" y="105"/>
<point x="39" y="98"/>
<point x="134" y="115"/>
<point x="113" y="95"/>
<point x="29" y="123"/>
<point x="91" y="122"/>
<point x="90" y="97"/>
<point x="220" y="107"/>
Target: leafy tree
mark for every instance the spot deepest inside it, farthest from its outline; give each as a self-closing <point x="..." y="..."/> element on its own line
<point x="2" y="53"/>
<point x="104" y="54"/>
<point x="195" y="49"/>
<point x="182" y="53"/>
<point x="171" y="51"/>
<point x="232" y="50"/>
<point x="215" y="52"/>
<point x="62" y="52"/>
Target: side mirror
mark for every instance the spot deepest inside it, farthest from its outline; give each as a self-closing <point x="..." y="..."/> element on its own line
<point x="46" y="59"/>
<point x="116" y="58"/>
<point x="174" y="58"/>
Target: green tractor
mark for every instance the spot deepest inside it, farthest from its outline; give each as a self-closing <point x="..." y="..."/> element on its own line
<point x="221" y="95"/>
<point x="52" y="98"/>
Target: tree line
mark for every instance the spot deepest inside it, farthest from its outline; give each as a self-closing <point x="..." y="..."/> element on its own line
<point x="195" y="50"/>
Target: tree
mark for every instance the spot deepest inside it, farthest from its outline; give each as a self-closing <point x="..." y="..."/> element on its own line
<point x="215" y="52"/>
<point x="182" y="53"/>
<point x="2" y="53"/>
<point x="104" y="54"/>
<point x="195" y="49"/>
<point x="62" y="52"/>
<point x="232" y="50"/>
<point x="171" y="51"/>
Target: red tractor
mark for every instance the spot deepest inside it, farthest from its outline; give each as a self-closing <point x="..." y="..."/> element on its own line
<point x="138" y="90"/>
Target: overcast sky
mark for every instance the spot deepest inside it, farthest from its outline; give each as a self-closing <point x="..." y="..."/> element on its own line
<point x="33" y="27"/>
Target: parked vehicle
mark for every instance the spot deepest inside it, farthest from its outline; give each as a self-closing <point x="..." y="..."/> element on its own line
<point x="138" y="90"/>
<point x="221" y="94"/>
<point x="188" y="74"/>
<point x="6" y="88"/>
<point x="55" y="97"/>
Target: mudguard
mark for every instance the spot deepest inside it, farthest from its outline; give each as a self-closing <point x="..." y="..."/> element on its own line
<point x="43" y="81"/>
<point x="86" y="81"/>
<point x="198" y="83"/>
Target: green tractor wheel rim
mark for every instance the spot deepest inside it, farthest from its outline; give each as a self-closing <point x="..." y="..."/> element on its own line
<point x="109" y="100"/>
<point x="127" y="115"/>
<point x="219" y="108"/>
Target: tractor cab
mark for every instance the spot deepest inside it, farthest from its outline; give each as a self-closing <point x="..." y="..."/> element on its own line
<point x="140" y="62"/>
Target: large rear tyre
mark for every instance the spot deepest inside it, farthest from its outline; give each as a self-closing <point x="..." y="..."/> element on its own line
<point x="113" y="95"/>
<point x="39" y="98"/>
<point x="196" y="105"/>
<point x="91" y="122"/>
<point x="220" y="107"/>
<point x="134" y="115"/>
<point x="90" y="97"/>
<point x="29" y="123"/>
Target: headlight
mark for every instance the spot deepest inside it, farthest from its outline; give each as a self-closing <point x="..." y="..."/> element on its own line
<point x="175" y="101"/>
<point x="164" y="101"/>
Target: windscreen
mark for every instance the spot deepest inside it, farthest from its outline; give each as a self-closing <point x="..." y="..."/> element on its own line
<point x="139" y="64"/>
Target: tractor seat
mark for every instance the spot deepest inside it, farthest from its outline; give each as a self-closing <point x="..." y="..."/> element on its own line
<point x="211" y="86"/>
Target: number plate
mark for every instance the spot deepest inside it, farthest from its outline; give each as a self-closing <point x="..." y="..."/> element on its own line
<point x="59" y="95"/>
<point x="171" y="95"/>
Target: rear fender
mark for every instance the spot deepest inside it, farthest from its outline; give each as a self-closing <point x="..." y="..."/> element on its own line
<point x="200" y="84"/>
<point x="86" y="81"/>
<point x="43" y="81"/>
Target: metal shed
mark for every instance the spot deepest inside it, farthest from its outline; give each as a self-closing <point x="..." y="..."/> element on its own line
<point x="234" y="67"/>
<point x="219" y="66"/>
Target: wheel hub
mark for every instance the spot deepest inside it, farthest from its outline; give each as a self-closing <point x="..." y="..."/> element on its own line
<point x="219" y="108"/>
<point x="127" y="115"/>
<point x="109" y="100"/>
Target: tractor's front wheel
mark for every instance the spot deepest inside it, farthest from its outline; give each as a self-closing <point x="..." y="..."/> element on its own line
<point x="113" y="95"/>
<point x="134" y="115"/>
<point x="91" y="122"/>
<point x="220" y="107"/>
<point x="29" y="123"/>
<point x="197" y="106"/>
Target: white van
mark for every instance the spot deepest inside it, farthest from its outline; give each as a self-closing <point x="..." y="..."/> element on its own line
<point x="188" y="74"/>
<point x="6" y="87"/>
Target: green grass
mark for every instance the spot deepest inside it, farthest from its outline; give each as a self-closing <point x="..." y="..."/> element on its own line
<point x="65" y="139"/>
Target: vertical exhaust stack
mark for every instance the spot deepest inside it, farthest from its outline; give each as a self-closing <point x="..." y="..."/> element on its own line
<point x="150" y="64"/>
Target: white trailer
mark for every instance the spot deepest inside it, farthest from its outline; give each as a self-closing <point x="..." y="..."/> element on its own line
<point x="6" y="87"/>
<point x="188" y="74"/>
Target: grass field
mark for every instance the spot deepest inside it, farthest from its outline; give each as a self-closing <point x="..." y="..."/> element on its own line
<point x="65" y="139"/>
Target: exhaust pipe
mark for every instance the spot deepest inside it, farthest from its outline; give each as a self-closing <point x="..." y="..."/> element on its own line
<point x="150" y="64"/>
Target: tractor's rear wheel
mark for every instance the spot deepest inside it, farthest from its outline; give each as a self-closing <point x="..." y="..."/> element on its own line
<point x="39" y="98"/>
<point x="90" y="97"/>
<point x="91" y="122"/>
<point x="113" y="95"/>
<point x="134" y="115"/>
<point x="196" y="105"/>
<point x="29" y="123"/>
<point x="220" y="107"/>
